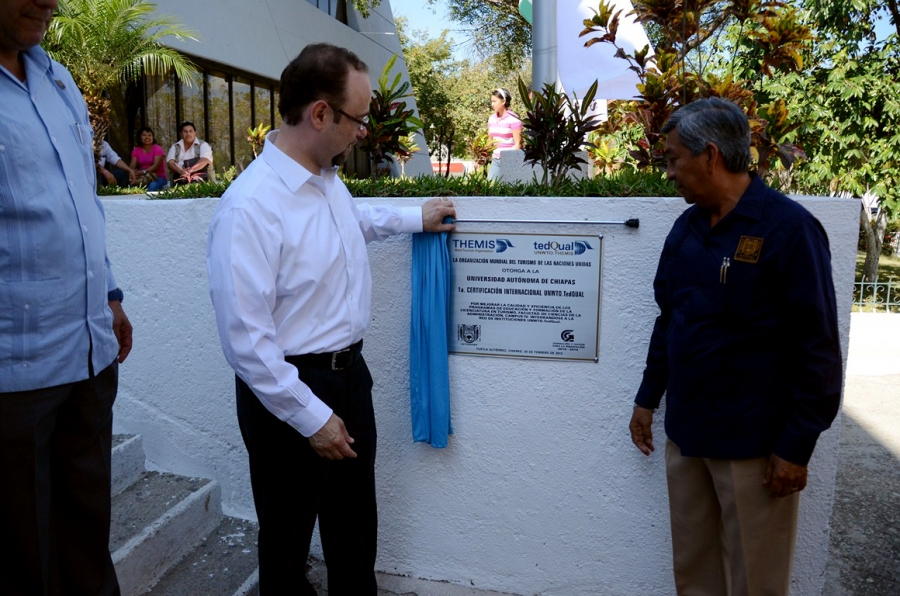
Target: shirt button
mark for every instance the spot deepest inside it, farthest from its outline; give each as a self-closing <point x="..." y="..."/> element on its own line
<point x="24" y="365"/>
<point x="27" y="306"/>
<point x="90" y="275"/>
<point x="84" y="228"/>
<point x="53" y="139"/>
<point x="2" y="147"/>
<point x="71" y="184"/>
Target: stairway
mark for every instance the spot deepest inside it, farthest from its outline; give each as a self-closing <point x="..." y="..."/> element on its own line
<point x="168" y="536"/>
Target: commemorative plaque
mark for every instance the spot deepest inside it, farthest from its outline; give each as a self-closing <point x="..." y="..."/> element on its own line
<point x="525" y="295"/>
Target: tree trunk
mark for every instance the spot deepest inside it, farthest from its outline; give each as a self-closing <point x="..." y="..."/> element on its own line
<point x="99" y="109"/>
<point x="439" y="139"/>
<point x="874" y="230"/>
<point x="449" y="153"/>
<point x="895" y="13"/>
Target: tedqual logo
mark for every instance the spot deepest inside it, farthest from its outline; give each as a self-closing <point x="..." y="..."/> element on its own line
<point x="576" y="247"/>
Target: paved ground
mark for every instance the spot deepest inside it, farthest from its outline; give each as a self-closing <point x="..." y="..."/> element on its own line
<point x="865" y="525"/>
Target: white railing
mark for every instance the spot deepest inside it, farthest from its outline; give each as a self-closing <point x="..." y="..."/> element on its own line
<point x="876" y="296"/>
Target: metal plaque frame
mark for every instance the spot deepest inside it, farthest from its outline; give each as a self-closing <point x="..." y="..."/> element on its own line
<point x="525" y="295"/>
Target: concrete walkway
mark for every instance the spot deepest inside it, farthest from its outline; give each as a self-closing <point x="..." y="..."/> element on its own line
<point x="865" y="524"/>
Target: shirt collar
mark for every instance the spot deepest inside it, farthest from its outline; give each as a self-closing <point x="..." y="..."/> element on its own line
<point x="750" y="205"/>
<point x="35" y="59"/>
<point x="753" y="200"/>
<point x="289" y="170"/>
<point x="40" y="57"/>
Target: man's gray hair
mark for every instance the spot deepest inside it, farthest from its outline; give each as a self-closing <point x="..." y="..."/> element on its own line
<point x="717" y="121"/>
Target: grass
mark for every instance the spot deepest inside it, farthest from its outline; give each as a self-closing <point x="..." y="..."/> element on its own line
<point x="887" y="267"/>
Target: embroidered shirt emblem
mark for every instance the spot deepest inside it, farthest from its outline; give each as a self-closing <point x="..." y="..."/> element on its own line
<point x="748" y="249"/>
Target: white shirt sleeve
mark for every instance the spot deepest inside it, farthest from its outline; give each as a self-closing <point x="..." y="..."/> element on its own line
<point x="206" y="152"/>
<point x="108" y="157"/>
<point x="170" y="156"/>
<point x="377" y="222"/>
<point x="242" y="263"/>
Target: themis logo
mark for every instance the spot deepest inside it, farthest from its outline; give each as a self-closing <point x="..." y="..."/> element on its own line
<point x="468" y="333"/>
<point x="568" y="335"/>
<point x="503" y="244"/>
<point x="498" y="245"/>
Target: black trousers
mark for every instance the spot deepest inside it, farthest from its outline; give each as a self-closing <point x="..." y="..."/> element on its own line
<point x="292" y="486"/>
<point x="54" y="489"/>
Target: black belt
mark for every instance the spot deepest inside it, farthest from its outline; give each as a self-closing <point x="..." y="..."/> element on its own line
<point x="328" y="360"/>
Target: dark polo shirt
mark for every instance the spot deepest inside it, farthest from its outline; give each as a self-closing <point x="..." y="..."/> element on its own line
<point x="746" y="346"/>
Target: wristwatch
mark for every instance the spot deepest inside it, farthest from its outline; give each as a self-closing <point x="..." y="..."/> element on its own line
<point x="116" y="295"/>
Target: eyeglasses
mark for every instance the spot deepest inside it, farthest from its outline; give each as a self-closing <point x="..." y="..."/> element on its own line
<point x="362" y="122"/>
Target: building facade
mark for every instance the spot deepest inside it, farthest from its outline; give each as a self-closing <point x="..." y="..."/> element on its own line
<point x="242" y="46"/>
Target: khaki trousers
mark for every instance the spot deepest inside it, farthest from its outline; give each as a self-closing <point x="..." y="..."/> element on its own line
<point x="729" y="537"/>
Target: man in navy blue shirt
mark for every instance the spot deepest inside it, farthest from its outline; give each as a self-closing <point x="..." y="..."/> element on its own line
<point x="746" y="349"/>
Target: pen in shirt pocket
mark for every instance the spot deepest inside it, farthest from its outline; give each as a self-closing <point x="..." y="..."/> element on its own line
<point x="723" y="270"/>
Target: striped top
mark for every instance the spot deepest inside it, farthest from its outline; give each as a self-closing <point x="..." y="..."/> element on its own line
<point x="500" y="129"/>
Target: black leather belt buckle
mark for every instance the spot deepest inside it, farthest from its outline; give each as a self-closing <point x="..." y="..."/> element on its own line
<point x="342" y="358"/>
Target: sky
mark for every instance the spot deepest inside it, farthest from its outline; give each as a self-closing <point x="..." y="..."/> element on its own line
<point x="432" y="18"/>
<point x="422" y="15"/>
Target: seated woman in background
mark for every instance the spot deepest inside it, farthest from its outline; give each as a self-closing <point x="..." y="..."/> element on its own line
<point x="147" y="161"/>
<point x="190" y="159"/>
<point x="504" y="126"/>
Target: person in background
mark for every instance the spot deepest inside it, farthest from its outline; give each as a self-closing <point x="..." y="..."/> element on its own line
<point x="504" y="126"/>
<point x="147" y="161"/>
<point x="290" y="282"/>
<point x="746" y="350"/>
<point x="112" y="169"/>
<point x="63" y="332"/>
<point x="190" y="159"/>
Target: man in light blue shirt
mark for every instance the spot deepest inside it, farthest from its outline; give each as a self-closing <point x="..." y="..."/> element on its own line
<point x="62" y="327"/>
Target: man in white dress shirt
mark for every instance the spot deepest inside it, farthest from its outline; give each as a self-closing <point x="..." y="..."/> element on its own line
<point x="291" y="286"/>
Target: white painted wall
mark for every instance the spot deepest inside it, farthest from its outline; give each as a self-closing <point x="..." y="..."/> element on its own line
<point x="261" y="37"/>
<point x="540" y="490"/>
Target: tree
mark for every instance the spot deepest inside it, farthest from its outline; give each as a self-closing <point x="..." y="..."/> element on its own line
<point x="104" y="42"/>
<point x="849" y="99"/>
<point x="496" y="30"/>
<point x="821" y="92"/>
<point x="432" y="72"/>
<point x="453" y="96"/>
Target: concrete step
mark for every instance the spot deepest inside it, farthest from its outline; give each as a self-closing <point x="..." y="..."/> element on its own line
<point x="156" y="522"/>
<point x="127" y="461"/>
<point x="224" y="563"/>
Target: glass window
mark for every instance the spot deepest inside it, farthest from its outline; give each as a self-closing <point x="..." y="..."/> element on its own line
<point x="219" y="121"/>
<point x="222" y="108"/>
<point x="240" y="95"/>
<point x="192" y="109"/>
<point x="329" y="6"/>
<point x="262" y="105"/>
<point x="277" y="114"/>
<point x="160" y="114"/>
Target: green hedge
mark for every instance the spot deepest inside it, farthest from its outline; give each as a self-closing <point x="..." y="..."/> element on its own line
<point x="626" y="183"/>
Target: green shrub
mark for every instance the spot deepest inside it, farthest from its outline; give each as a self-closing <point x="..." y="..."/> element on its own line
<point x="624" y="183"/>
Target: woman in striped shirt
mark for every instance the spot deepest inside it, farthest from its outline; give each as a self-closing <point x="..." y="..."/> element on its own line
<point x="504" y="126"/>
